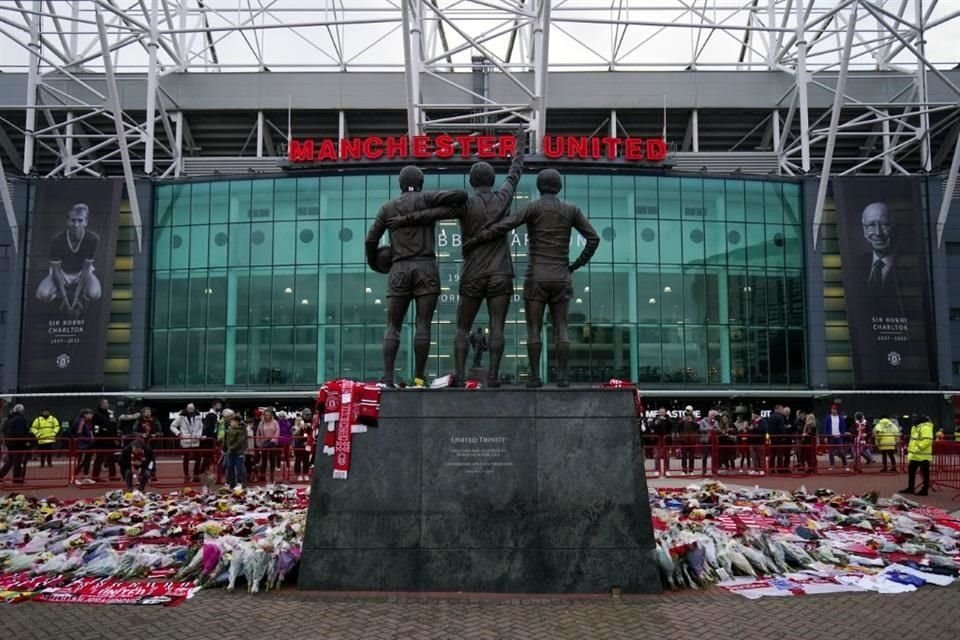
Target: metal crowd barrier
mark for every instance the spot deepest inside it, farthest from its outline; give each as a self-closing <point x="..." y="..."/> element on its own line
<point x="750" y="454"/>
<point x="95" y="465"/>
<point x="945" y="467"/>
<point x="71" y="463"/>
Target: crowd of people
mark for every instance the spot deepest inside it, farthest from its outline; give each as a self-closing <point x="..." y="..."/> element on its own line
<point x="219" y="444"/>
<point x="783" y="442"/>
<point x="222" y="444"/>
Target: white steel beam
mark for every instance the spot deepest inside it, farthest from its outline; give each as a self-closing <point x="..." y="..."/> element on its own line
<point x="834" y="122"/>
<point x="411" y="60"/>
<point x="152" y="72"/>
<point x="7" y="202"/>
<point x="541" y="52"/>
<point x="801" y="81"/>
<point x="33" y="73"/>
<point x="113" y="99"/>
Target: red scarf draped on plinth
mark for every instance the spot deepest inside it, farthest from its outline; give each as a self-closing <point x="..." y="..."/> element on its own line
<point x="344" y="403"/>
<point x="341" y="456"/>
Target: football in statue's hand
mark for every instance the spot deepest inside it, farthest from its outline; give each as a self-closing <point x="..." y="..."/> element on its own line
<point x="382" y="260"/>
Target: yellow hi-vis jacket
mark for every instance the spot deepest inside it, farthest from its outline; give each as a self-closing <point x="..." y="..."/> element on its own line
<point x="921" y="442"/>
<point x="45" y="430"/>
<point x="887" y="434"/>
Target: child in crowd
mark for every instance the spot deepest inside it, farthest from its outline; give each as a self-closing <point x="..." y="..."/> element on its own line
<point x="236" y="447"/>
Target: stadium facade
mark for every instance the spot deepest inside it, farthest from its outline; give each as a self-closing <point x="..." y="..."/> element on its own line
<point x="732" y="205"/>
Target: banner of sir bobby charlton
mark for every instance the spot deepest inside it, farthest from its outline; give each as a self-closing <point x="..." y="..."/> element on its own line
<point x="886" y="279"/>
<point x="73" y="238"/>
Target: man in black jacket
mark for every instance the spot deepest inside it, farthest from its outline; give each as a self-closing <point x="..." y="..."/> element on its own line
<point x="779" y="444"/>
<point x="487" y="271"/>
<point x="413" y="273"/>
<point x="209" y="439"/>
<point x="106" y="433"/>
<point x="16" y="433"/>
<point x="548" y="281"/>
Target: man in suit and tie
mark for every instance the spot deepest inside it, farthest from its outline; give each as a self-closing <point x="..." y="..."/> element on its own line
<point x="879" y="267"/>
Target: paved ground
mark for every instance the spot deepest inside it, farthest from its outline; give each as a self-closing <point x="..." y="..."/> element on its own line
<point x="928" y="614"/>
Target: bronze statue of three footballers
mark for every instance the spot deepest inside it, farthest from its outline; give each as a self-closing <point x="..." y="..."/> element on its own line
<point x="487" y="271"/>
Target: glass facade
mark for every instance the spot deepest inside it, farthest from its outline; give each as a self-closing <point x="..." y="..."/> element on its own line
<point x="263" y="283"/>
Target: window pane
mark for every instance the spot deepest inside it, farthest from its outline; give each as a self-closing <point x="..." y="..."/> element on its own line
<point x="693" y="241"/>
<point x="239" y="245"/>
<point x="196" y="356"/>
<point x="240" y="201"/>
<point x="793" y="245"/>
<point x="695" y="349"/>
<point x="199" y="246"/>
<point x="773" y="202"/>
<point x="753" y="193"/>
<point x="760" y="357"/>
<point x="648" y="297"/>
<point x="623" y="197"/>
<point x="177" y="358"/>
<point x="331" y="197"/>
<point x="714" y="202"/>
<point x="180" y="205"/>
<point x="670" y="241"/>
<point x="215" y="357"/>
<point x="648" y="246"/>
<point x="179" y="297"/>
<point x="285" y="199"/>
<point x="624" y="249"/>
<point x="736" y="243"/>
<point x="779" y="365"/>
<point x="604" y="254"/>
<point x="283" y="296"/>
<point x="261" y="243"/>
<point x="219" y="241"/>
<point x="161" y="247"/>
<point x="306" y="297"/>
<point x="219" y="202"/>
<point x="307" y="241"/>
<point x="216" y="296"/>
<point x="180" y="248"/>
<point x="775" y="245"/>
<point x="669" y="194"/>
<point x="715" y="243"/>
<point x="756" y="245"/>
<point x="158" y="359"/>
<point x="281" y="356"/>
<point x="284" y="243"/>
<point x="735" y="199"/>
<point x="200" y="203"/>
<point x="161" y="300"/>
<point x="648" y="354"/>
<point x="197" y="299"/>
<point x="351" y="236"/>
<point x="305" y="358"/>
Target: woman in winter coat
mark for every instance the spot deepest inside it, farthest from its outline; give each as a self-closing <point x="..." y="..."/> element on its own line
<point x="268" y="436"/>
<point x="285" y="438"/>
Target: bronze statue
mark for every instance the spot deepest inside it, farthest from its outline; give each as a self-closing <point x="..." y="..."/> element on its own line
<point x="487" y="272"/>
<point x="547" y="281"/>
<point x="412" y="262"/>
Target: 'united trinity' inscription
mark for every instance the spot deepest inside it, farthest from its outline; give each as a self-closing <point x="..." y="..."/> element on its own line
<point x="478" y="454"/>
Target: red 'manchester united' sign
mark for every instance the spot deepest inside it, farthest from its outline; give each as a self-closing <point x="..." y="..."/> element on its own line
<point x="482" y="147"/>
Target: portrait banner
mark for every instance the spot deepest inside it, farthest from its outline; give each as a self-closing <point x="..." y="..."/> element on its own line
<point x="69" y="281"/>
<point x="886" y="279"/>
